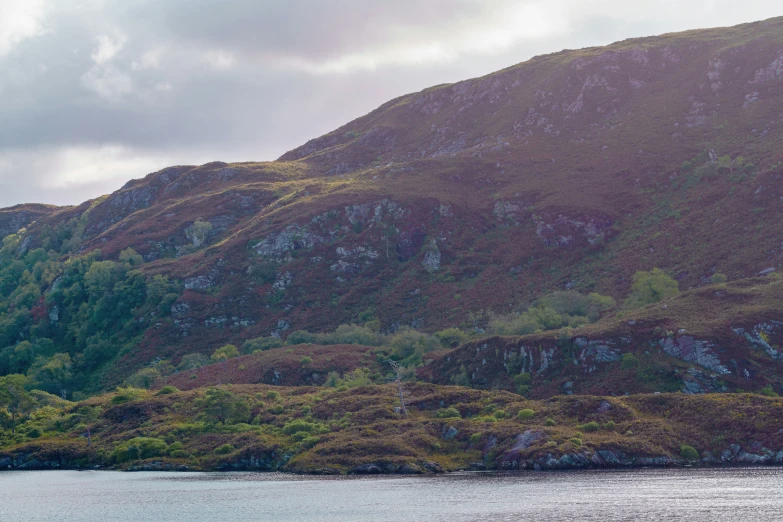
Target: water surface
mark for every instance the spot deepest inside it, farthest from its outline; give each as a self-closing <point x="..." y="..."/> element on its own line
<point x="641" y="495"/>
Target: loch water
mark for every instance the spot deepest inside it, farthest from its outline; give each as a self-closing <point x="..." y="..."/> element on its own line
<point x="741" y="494"/>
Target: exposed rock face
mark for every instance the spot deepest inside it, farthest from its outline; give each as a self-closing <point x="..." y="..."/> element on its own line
<point x="431" y="262"/>
<point x="14" y="218"/>
<point x="692" y="350"/>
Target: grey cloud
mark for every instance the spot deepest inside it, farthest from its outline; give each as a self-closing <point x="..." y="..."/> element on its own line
<point x="162" y="98"/>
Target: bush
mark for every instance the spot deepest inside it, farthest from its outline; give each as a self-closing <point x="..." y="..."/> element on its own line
<point x="629" y="361"/>
<point x="167" y="390"/>
<point x="590" y="426"/>
<point x="475" y="438"/>
<point x="500" y="414"/>
<point x="550" y="422"/>
<point x="261" y="344"/>
<point x="610" y="425"/>
<point x="448" y="413"/>
<point x="354" y="379"/>
<point x="303" y="426"/>
<point x="305" y="361"/>
<point x="301" y="337"/>
<point x="225" y="449"/>
<point x="228" y="351"/>
<point x="452" y="337"/>
<point x="410" y="345"/>
<point x="192" y="361"/>
<point x="718" y="278"/>
<point x="651" y="287"/>
<point x="689" y="453"/>
<point x="273" y="395"/>
<point x="768" y="391"/>
<point x="127" y="395"/>
<point x="139" y="448"/>
<point x="144" y="378"/>
<point x="354" y="334"/>
<point x="577" y="441"/>
<point x="526" y="414"/>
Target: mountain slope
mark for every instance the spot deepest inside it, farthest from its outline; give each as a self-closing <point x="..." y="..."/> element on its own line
<point x="572" y="170"/>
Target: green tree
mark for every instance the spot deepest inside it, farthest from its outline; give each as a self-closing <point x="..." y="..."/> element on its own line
<point x="261" y="344"/>
<point x="228" y="351"/>
<point x="52" y="374"/>
<point x="192" y="361"/>
<point x="222" y="406"/>
<point x="144" y="378"/>
<point x="651" y="287"/>
<point x="451" y="337"/>
<point x="15" y="399"/>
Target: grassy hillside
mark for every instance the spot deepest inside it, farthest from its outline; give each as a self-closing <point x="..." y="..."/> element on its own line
<point x="357" y="430"/>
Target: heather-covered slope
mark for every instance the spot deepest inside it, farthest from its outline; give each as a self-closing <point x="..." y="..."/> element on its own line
<point x="574" y="170"/>
<point x="718" y="338"/>
<point x="321" y="430"/>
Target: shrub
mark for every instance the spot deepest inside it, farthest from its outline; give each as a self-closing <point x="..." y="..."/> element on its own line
<point x="410" y="345"/>
<point x="228" y="351"/>
<point x="451" y="337"/>
<point x="144" y="378"/>
<point x="127" y="395"/>
<point x="500" y="414"/>
<point x="718" y="278"/>
<point x="305" y="361"/>
<point x="768" y="391"/>
<point x="219" y="405"/>
<point x="550" y="422"/>
<point x="273" y="395"/>
<point x="167" y="390"/>
<point x="303" y="426"/>
<point x="475" y="438"/>
<point x="610" y="425"/>
<point x="448" y="413"/>
<point x="526" y="414"/>
<point x="689" y="452"/>
<point x="522" y="381"/>
<point x="261" y="344"/>
<point x="354" y="334"/>
<point x="301" y="337"/>
<point x="354" y="379"/>
<point x="577" y="441"/>
<point x="139" y="448"/>
<point x="192" y="361"/>
<point x="225" y="449"/>
<point x="651" y="287"/>
<point x="590" y="426"/>
<point x="629" y="361"/>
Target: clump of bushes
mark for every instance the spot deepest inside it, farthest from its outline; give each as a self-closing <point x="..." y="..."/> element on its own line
<point x="261" y="344"/>
<point x="526" y="414"/>
<point x="167" y="390"/>
<point x="228" y="351"/>
<point x="629" y="361"/>
<point x="554" y="311"/>
<point x="139" y="448"/>
<point x="224" y="449"/>
<point x="128" y="394"/>
<point x="448" y="413"/>
<point x="590" y="426"/>
<point x="689" y="453"/>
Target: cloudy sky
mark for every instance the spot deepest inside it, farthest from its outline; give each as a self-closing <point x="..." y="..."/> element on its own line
<point x="96" y="92"/>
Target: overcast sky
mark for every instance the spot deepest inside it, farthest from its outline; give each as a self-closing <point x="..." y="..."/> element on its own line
<point x="96" y="92"/>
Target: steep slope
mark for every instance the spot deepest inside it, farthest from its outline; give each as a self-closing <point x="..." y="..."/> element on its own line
<point x="573" y="170"/>
<point x="718" y="338"/>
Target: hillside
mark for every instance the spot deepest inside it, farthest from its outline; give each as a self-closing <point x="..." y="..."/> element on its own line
<point x="442" y="208"/>
<point x="327" y="431"/>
